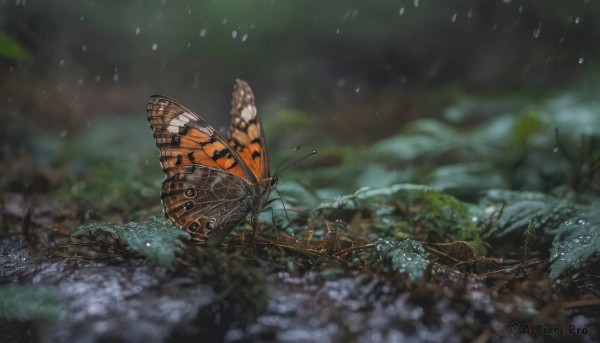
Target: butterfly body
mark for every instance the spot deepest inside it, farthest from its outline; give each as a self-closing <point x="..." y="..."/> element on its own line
<point x="212" y="183"/>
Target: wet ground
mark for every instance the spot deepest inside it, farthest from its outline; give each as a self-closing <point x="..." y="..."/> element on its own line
<point x="126" y="298"/>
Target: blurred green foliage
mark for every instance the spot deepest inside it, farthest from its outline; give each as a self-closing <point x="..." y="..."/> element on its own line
<point x="12" y="49"/>
<point x="28" y="302"/>
<point x="516" y="210"/>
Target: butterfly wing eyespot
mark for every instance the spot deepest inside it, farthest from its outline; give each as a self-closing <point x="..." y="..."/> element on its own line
<point x="188" y="205"/>
<point x="212" y="183"/>
<point x="194" y="227"/>
<point x="210" y="225"/>
<point x="221" y="200"/>
<point x="190" y="192"/>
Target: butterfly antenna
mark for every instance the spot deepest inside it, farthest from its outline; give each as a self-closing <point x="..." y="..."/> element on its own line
<point x="280" y="169"/>
<point x="287" y="159"/>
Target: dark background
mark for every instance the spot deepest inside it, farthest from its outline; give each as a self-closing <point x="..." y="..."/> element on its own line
<point x="336" y="72"/>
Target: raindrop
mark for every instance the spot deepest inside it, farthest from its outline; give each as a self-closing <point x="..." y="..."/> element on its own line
<point x="224" y="21"/>
<point x="63" y="134"/>
<point x="470" y="13"/>
<point x="416" y="3"/>
<point x="116" y="77"/>
<point x="137" y="30"/>
<point x="202" y="33"/>
<point x="337" y="32"/>
<point x="80" y="82"/>
<point x="233" y="34"/>
<point x="148" y="244"/>
<point x="62" y="62"/>
<point x="555" y="149"/>
<point x="98" y="78"/>
<point x="454" y="17"/>
<point x="84" y="48"/>
<point x="520" y="9"/>
<point x="154" y="46"/>
<point x="401" y="12"/>
<point x="357" y="90"/>
<point x="536" y="32"/>
<point x="577" y="20"/>
<point x="189" y="44"/>
<point x="82" y="18"/>
<point x="244" y="37"/>
<point x="346" y="15"/>
<point x="580" y="60"/>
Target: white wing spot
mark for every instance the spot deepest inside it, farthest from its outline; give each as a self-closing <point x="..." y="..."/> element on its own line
<point x="187" y="115"/>
<point x="248" y="113"/>
<point x="206" y="130"/>
<point x="175" y="124"/>
<point x="180" y="121"/>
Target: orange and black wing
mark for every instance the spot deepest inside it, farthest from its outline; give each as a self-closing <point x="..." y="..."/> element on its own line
<point x="184" y="139"/>
<point x="245" y="133"/>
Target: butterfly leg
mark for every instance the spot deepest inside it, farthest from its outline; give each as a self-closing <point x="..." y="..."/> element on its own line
<point x="255" y="227"/>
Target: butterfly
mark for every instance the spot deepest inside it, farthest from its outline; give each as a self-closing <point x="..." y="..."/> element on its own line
<point x="212" y="182"/>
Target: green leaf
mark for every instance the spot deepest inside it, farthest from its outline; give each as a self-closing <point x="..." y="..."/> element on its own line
<point x="30" y="302"/>
<point x="517" y="209"/>
<point x="407" y="256"/>
<point x="376" y="175"/>
<point x="296" y="194"/>
<point x="577" y="242"/>
<point x="398" y="209"/>
<point x="297" y="199"/>
<point x="527" y="126"/>
<point x="11" y="49"/>
<point x="467" y="179"/>
<point x="407" y="147"/>
<point x="157" y="238"/>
